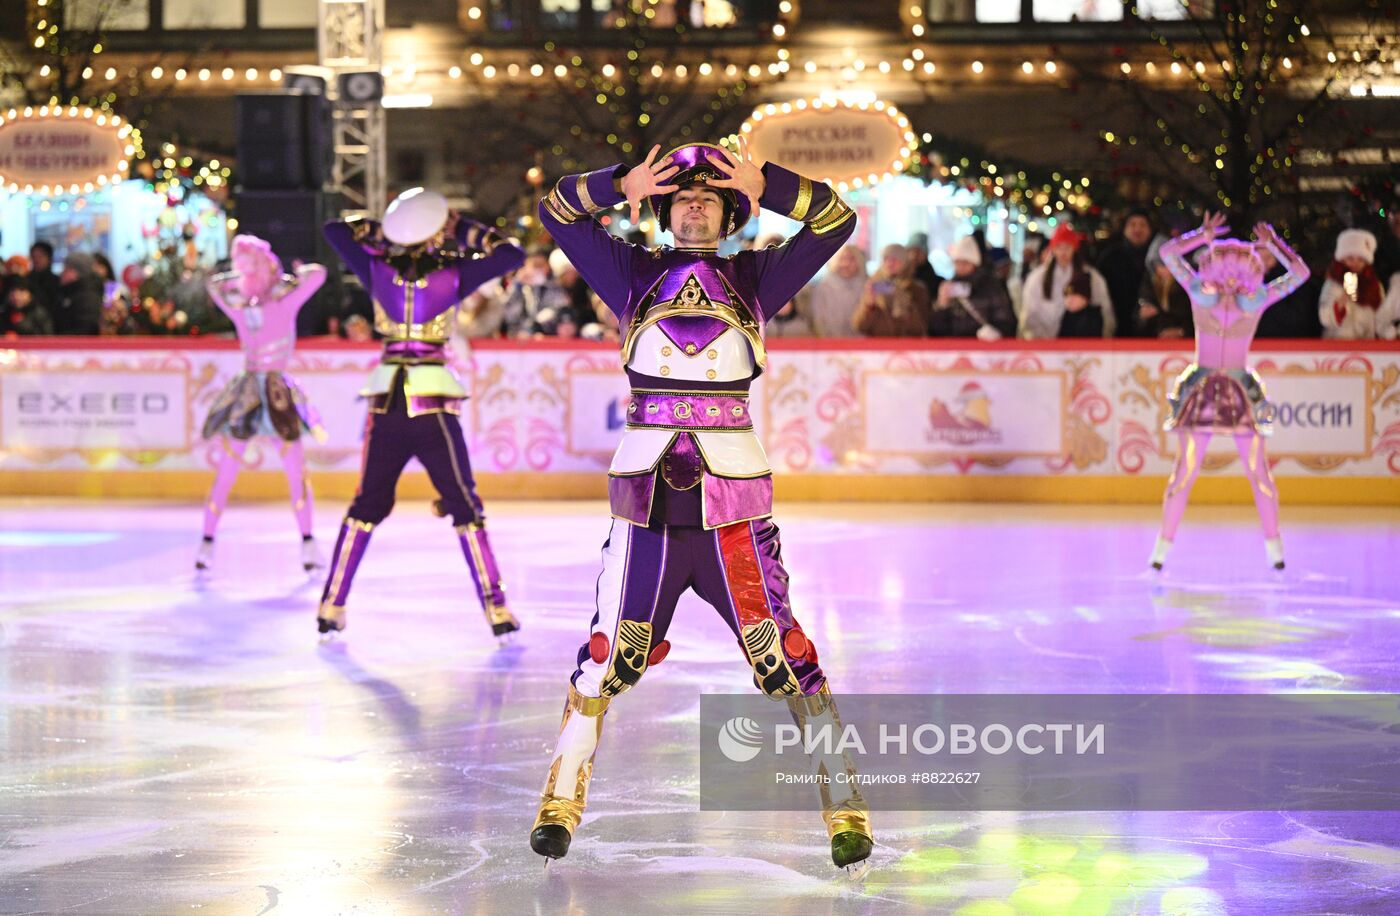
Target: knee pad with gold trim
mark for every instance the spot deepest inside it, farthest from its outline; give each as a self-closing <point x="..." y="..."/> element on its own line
<point x="771" y="672"/>
<point x="629" y="658"/>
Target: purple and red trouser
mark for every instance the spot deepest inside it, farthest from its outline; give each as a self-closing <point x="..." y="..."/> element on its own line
<point x="737" y="569"/>
<point x="392" y="437"/>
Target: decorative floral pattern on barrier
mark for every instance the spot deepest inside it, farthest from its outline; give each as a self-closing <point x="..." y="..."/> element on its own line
<point x="934" y="411"/>
<point x="1089" y="410"/>
<point x="788" y="435"/>
<point x="838" y="409"/>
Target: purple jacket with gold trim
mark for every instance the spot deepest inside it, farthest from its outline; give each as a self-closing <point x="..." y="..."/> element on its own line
<point x="415" y="297"/>
<point x="692" y="324"/>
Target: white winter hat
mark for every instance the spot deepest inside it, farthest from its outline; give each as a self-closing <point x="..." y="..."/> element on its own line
<point x="1356" y="243"/>
<point x="558" y="262"/>
<point x="965" y="249"/>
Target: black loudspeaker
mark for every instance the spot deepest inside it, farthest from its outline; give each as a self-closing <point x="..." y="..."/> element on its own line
<point x="291" y="221"/>
<point x="304" y="79"/>
<point x="361" y="86"/>
<point x="283" y="140"/>
<point x="320" y="152"/>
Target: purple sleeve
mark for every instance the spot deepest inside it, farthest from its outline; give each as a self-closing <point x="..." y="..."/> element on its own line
<point x="474" y="235"/>
<point x="499" y="254"/>
<point x="603" y="260"/>
<point x="471" y="234"/>
<point x="782" y="270"/>
<point x="349" y="239"/>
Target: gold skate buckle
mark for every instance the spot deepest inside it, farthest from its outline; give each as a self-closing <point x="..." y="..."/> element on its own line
<point x="845" y="819"/>
<point x="560" y="812"/>
<point x="499" y="613"/>
<point x="333" y="614"/>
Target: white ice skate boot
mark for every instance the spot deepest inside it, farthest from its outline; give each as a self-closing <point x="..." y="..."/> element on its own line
<point x="311" y="558"/>
<point x="204" y="557"/>
<point x="1159" y="552"/>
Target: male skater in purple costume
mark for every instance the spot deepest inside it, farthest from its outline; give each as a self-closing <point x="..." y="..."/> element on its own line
<point x="690" y="486"/>
<point x="417" y="265"/>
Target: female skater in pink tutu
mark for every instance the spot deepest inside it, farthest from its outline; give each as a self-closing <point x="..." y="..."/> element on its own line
<point x="262" y="400"/>
<point x="1219" y="393"/>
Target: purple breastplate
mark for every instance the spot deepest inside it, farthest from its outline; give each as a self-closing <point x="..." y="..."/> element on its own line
<point x="693" y="300"/>
<point x="691" y="286"/>
<point x="419" y="309"/>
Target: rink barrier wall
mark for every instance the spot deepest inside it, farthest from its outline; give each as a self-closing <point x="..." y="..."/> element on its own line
<point x="864" y="420"/>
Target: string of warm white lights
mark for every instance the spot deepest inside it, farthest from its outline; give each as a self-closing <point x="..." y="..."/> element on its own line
<point x="913" y="60"/>
<point x="1051" y="197"/>
<point x="916" y="63"/>
<point x="173" y="165"/>
<point x="160" y="73"/>
<point x="600" y="73"/>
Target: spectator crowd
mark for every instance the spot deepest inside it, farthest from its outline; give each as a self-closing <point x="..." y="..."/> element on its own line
<point x="84" y="297"/>
<point x="1067" y="286"/>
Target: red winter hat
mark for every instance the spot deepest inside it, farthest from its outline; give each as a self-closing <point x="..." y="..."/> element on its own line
<point x="1064" y="234"/>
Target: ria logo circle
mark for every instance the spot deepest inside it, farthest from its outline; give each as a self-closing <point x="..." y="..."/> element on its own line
<point x="740" y="739"/>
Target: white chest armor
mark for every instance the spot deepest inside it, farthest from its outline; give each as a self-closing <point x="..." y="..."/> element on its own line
<point x="726" y="359"/>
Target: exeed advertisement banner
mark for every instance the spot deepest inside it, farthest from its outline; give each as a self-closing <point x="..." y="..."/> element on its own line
<point x="94" y="410"/>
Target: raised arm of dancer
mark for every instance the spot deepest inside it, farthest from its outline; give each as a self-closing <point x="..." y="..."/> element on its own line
<point x="499" y="253"/>
<point x="603" y="260"/>
<point x="216" y="287"/>
<point x="308" y="279"/>
<point x="1276" y="289"/>
<point x="827" y="222"/>
<point x="358" y="242"/>
<point x="1174" y="251"/>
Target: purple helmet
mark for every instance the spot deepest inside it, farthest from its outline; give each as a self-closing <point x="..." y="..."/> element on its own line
<point x="696" y="162"/>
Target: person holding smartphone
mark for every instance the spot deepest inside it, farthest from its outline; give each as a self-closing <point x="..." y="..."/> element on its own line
<point x="974" y="303"/>
<point x="894" y="303"/>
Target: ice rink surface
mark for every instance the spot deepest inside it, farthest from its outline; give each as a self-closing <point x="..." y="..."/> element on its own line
<point x="174" y="743"/>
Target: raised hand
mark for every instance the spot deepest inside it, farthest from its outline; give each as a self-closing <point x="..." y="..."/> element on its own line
<point x="745" y="174"/>
<point x="1213" y="225"/>
<point x="647" y="179"/>
<point x="1265" y="233"/>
